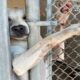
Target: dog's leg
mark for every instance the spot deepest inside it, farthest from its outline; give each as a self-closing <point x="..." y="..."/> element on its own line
<point x="24" y="76"/>
<point x="18" y="47"/>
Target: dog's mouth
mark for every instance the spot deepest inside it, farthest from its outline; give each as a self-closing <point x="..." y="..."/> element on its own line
<point x="19" y="37"/>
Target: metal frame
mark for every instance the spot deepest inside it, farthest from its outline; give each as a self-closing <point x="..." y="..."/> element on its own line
<point x="5" y="61"/>
<point x="33" y="15"/>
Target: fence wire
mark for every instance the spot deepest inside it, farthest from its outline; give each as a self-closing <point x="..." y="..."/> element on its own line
<point x="69" y="67"/>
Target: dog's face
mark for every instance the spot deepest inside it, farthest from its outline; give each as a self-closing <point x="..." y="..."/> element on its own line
<point x="19" y="29"/>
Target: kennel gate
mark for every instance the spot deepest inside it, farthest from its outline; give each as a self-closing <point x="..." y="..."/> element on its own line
<point x="69" y="49"/>
<point x="54" y="70"/>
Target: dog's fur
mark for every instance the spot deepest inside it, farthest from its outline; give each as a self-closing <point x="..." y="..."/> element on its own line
<point x="19" y="31"/>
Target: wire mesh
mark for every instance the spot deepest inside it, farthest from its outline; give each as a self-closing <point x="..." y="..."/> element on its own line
<point x="67" y="68"/>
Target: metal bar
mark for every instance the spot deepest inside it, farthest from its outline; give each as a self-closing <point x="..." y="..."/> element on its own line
<point x="49" y="31"/>
<point x="44" y="23"/>
<point x="49" y="14"/>
<point x="33" y="15"/>
<point x="5" y="61"/>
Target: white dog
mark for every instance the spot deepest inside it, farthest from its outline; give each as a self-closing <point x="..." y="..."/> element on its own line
<point x="19" y="32"/>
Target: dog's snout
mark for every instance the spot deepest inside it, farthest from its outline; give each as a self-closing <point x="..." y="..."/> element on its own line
<point x="18" y="28"/>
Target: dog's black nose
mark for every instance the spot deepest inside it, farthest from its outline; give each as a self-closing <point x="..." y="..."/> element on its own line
<point x="19" y="28"/>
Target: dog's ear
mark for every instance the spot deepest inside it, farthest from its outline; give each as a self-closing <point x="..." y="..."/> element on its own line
<point x="16" y="13"/>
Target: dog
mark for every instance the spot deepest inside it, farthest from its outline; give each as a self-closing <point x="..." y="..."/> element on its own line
<point x="19" y="31"/>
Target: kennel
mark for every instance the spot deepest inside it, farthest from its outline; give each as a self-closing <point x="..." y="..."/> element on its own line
<point x="47" y="17"/>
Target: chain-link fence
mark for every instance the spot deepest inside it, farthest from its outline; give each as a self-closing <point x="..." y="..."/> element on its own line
<point x="64" y="60"/>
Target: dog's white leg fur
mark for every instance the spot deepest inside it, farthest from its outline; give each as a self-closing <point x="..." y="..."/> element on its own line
<point x="18" y="47"/>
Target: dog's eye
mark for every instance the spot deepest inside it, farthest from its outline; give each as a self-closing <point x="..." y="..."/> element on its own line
<point x="9" y="19"/>
<point x="24" y="17"/>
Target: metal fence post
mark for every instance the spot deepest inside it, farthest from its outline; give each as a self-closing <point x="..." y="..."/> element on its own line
<point x="5" y="62"/>
<point x="49" y="31"/>
<point x="49" y="15"/>
<point x="33" y="14"/>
